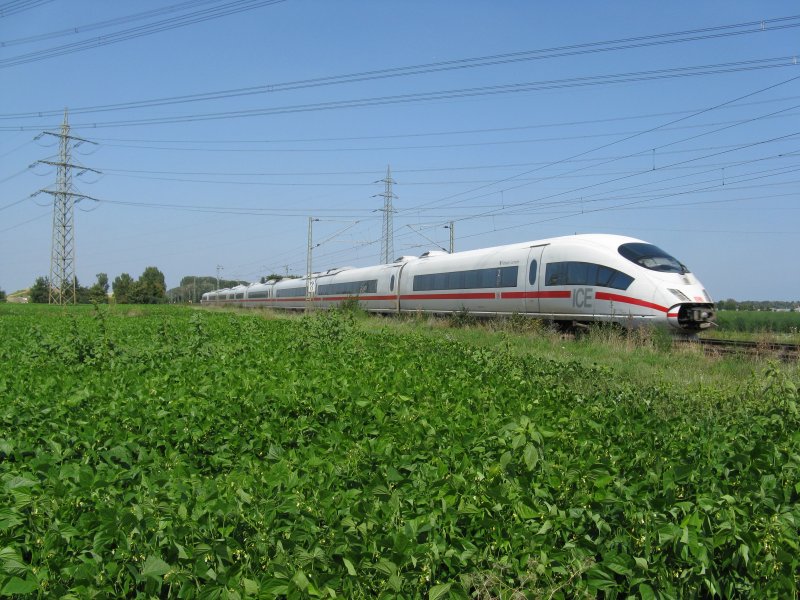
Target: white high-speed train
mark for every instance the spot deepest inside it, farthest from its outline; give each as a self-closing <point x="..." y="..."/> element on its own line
<point x="571" y="279"/>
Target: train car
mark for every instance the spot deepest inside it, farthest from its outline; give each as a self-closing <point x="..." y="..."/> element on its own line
<point x="572" y="280"/>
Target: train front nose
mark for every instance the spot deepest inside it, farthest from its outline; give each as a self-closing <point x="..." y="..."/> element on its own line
<point x="692" y="317"/>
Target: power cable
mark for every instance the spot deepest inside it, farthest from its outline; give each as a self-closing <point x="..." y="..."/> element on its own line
<point x="199" y="16"/>
<point x="587" y="81"/>
<point x="491" y="60"/>
<point x="582" y="123"/>
<point x="624" y="139"/>
<point x="15" y="7"/>
<point x="78" y="29"/>
<point x="782" y="113"/>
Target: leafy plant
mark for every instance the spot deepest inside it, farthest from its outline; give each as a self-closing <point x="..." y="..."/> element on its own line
<point x="177" y="453"/>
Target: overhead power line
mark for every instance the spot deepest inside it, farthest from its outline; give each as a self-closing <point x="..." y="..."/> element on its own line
<point x="751" y="27"/>
<point x="623" y="139"/>
<point x="14" y="7"/>
<point x="79" y="29"/>
<point x="618" y="78"/>
<point x="198" y="16"/>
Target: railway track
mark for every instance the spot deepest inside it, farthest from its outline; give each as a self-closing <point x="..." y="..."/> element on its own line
<point x="784" y="352"/>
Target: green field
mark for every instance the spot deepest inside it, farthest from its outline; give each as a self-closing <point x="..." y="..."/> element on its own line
<point x="785" y="324"/>
<point x="177" y="453"/>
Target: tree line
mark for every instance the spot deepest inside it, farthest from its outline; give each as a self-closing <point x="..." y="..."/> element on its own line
<point x="150" y="288"/>
<point x="731" y="304"/>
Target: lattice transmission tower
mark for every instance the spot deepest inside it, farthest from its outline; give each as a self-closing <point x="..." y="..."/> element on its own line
<point x="387" y="235"/>
<point x="62" y="254"/>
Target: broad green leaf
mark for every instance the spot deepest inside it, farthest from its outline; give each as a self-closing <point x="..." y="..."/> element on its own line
<point x="744" y="552"/>
<point x="17" y="586"/>
<point x="21" y="481"/>
<point x="11" y="562"/>
<point x="349" y="566"/>
<point x="646" y="592"/>
<point x="155" y="567"/>
<point x="250" y="586"/>
<point x="531" y="456"/>
<point x="439" y="591"/>
<point x="300" y="580"/>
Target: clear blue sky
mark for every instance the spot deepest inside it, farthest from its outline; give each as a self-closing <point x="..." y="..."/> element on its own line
<point x="692" y="144"/>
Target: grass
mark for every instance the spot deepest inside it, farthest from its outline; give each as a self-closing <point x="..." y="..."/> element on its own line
<point x="760" y="326"/>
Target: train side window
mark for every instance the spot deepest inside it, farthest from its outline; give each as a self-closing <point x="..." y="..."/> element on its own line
<point x="577" y="273"/>
<point x="604" y="276"/>
<point x="582" y="273"/>
<point x="488" y="278"/>
<point x="556" y="273"/>
<point x="620" y="281"/>
<point x="508" y="277"/>
<point x="472" y="279"/>
<point x="391" y="284"/>
<point x="532" y="272"/>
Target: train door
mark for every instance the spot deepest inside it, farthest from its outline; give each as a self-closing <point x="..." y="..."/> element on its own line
<point x="532" y="279"/>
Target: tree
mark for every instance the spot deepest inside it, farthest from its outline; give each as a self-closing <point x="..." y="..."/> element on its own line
<point x="40" y="291"/>
<point x="81" y="293"/>
<point x="2" y="295"/>
<point x="123" y="286"/>
<point x="151" y="288"/>
<point x="98" y="293"/>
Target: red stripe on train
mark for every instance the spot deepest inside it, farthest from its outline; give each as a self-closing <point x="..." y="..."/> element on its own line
<point x="468" y="296"/>
<point x="629" y="300"/>
<point x="557" y="294"/>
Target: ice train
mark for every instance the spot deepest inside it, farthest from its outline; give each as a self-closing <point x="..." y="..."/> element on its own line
<point x="570" y="280"/>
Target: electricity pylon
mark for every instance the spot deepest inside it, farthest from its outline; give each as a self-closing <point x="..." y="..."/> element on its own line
<point x="62" y="254"/>
<point x="387" y="235"/>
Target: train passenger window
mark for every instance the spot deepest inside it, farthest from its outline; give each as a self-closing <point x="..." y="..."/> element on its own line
<point x="297" y="292"/>
<point x="391" y="284"/>
<point x="556" y="273"/>
<point x="488" y="278"/>
<point x="532" y="272"/>
<point x="582" y="273"/>
<point x="578" y="273"/>
<point x="604" y="275"/>
<point x="474" y="278"/>
<point x="620" y="281"/>
<point x="507" y="277"/>
<point x="348" y="288"/>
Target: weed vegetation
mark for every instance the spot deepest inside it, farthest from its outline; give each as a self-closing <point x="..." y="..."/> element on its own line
<point x="179" y="453"/>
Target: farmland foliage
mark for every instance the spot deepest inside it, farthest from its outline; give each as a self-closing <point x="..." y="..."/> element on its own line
<point x="177" y="453"/>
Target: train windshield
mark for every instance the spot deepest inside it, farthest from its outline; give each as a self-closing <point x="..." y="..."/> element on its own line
<point x="652" y="257"/>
